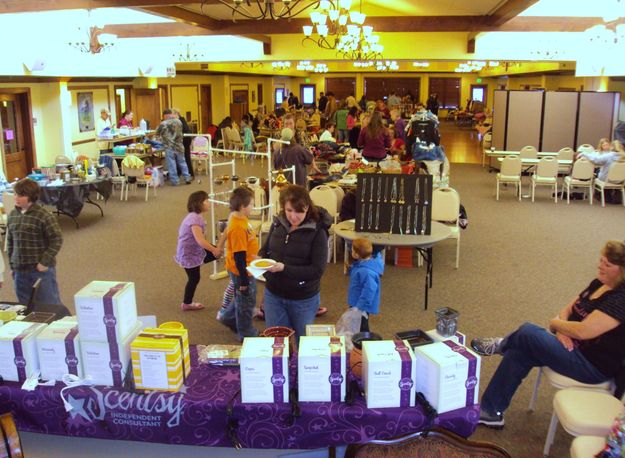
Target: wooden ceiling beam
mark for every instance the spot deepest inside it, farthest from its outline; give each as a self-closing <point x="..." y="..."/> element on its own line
<point x="30" y="6"/>
<point x="508" y="11"/>
<point x="186" y="16"/>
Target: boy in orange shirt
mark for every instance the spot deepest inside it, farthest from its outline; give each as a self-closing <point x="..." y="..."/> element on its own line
<point x="241" y="249"/>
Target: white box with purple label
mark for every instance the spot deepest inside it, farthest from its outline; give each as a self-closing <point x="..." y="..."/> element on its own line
<point x="388" y="370"/>
<point x="448" y="374"/>
<point x="321" y="369"/>
<point x="18" y="350"/>
<point x="458" y="337"/>
<point x="58" y="348"/>
<point x="264" y="363"/>
<point x="106" y="311"/>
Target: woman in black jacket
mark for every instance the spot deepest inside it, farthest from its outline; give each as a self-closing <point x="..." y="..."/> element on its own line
<point x="298" y="241"/>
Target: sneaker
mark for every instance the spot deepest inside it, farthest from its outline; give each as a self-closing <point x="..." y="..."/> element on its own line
<point x="492" y="420"/>
<point x="220" y="314"/>
<point x="189" y="182"/>
<point x="487" y="346"/>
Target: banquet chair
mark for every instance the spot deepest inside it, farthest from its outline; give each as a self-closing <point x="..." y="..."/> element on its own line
<point x="546" y="174"/>
<point x="561" y="382"/>
<point x="434" y="442"/>
<point x="585" y="148"/>
<point x="528" y="152"/>
<point x="587" y="446"/>
<point x="234" y="139"/>
<point x="510" y="173"/>
<point x="615" y="180"/>
<point x="446" y="209"/>
<point x="10" y="445"/>
<point x="565" y="154"/>
<point x="581" y="177"/>
<point x="139" y="174"/>
<point x="582" y="412"/>
<point x="324" y="196"/>
<point x="199" y="154"/>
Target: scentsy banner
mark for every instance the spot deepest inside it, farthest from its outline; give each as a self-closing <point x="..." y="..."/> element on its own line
<point x="197" y="416"/>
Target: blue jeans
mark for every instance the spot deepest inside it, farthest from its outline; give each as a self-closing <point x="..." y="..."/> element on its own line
<point x="292" y="313"/>
<point x="240" y="311"/>
<point x="174" y="158"/>
<point x="48" y="291"/>
<point x="532" y="346"/>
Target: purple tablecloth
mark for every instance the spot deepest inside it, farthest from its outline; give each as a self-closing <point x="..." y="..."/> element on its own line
<point x="198" y="416"/>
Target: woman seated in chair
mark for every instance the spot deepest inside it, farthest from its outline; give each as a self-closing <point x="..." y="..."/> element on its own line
<point x="603" y="160"/>
<point x="584" y="341"/>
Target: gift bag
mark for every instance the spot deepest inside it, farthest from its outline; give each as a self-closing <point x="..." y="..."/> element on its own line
<point x="348" y="325"/>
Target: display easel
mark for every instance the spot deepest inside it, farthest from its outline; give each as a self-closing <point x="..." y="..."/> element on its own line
<point x="222" y="197"/>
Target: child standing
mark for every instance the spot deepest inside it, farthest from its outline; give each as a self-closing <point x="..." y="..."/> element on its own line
<point x="241" y="249"/>
<point x="364" y="282"/>
<point x="248" y="135"/>
<point x="193" y="249"/>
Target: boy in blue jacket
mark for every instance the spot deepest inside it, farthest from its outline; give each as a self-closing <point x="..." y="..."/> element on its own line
<point x="364" y="282"/>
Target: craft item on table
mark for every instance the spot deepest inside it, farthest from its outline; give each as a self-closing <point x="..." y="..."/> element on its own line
<point x="119" y="150"/>
<point x="219" y="355"/>
<point x="448" y="375"/>
<point x="389" y="373"/>
<point x="18" y="350"/>
<point x="40" y="317"/>
<point x="264" y="365"/>
<point x="321" y="369"/>
<point x="457" y="337"/>
<point x="58" y="348"/>
<point x="7" y="315"/>
<point x="320" y="330"/>
<point x="446" y="321"/>
<point x="106" y="310"/>
<point x="178" y="332"/>
<point x="157" y="361"/>
<point x="107" y="362"/>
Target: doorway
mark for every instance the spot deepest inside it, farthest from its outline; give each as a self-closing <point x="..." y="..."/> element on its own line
<point x="18" y="146"/>
<point x="123" y="101"/>
<point x="206" y="107"/>
<point x="478" y="92"/>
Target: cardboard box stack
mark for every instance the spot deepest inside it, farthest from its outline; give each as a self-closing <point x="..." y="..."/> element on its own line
<point x="107" y="322"/>
<point x="161" y="359"/>
<point x="18" y="350"/>
<point x="264" y="365"/>
<point x="389" y="373"/>
<point x="58" y="348"/>
<point x="321" y="369"/>
<point x="448" y="374"/>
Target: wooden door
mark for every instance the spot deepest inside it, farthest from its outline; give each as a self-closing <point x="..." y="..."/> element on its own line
<point x="206" y="107"/>
<point x="17" y="139"/>
<point x="147" y="106"/>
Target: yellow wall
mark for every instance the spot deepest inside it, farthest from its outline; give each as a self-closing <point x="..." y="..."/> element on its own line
<point x="186" y="99"/>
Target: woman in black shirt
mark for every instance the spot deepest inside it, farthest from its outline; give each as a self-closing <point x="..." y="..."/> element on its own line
<point x="585" y="341"/>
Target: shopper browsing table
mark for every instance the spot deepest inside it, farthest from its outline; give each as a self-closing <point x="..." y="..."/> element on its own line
<point x="584" y="341"/>
<point x="33" y="240"/>
<point x="170" y="132"/>
<point x="298" y="241"/>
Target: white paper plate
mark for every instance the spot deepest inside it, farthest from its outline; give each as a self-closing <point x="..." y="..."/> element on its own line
<point x="264" y="263"/>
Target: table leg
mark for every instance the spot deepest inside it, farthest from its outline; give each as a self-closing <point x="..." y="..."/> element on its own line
<point x="427" y="256"/>
<point x="89" y="201"/>
<point x="61" y="212"/>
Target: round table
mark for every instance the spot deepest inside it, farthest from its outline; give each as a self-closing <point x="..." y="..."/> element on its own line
<point x="422" y="243"/>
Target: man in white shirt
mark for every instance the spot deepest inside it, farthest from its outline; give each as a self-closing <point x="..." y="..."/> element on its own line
<point x="103" y="122"/>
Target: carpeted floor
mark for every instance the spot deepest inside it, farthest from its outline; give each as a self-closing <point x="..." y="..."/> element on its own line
<point x="519" y="262"/>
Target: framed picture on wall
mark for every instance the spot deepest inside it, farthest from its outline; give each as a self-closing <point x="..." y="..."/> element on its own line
<point x="239" y="93"/>
<point x="84" y="106"/>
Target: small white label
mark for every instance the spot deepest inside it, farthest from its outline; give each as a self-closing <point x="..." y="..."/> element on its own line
<point x="153" y="369"/>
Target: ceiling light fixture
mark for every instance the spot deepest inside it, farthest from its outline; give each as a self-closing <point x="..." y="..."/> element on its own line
<point x="93" y="40"/>
<point x="421" y="64"/>
<point x="281" y="65"/>
<point x="386" y="66"/>
<point x="360" y="44"/>
<point x="251" y="65"/>
<point x="265" y="9"/>
<point x="187" y="54"/>
<point x="331" y="22"/>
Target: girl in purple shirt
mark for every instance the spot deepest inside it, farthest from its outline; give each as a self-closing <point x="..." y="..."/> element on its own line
<point x="193" y="249"/>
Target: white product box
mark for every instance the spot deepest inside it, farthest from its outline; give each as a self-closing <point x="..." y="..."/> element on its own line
<point x="458" y="337"/>
<point x="106" y="311"/>
<point x="107" y="362"/>
<point x="58" y="349"/>
<point x="321" y="369"/>
<point x="448" y="374"/>
<point x="70" y="320"/>
<point x="388" y="370"/>
<point x="264" y="365"/>
<point x="18" y="350"/>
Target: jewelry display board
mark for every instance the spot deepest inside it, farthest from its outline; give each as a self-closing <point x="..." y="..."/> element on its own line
<point x="394" y="203"/>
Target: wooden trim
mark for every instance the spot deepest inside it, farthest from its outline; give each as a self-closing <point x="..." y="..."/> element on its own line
<point x="509" y="10"/>
<point x="186" y="16"/>
<point x="26" y="6"/>
<point x="82" y="142"/>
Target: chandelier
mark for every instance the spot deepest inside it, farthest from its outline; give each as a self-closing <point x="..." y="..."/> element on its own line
<point x="320" y="68"/>
<point x="94" y="40"/>
<point x="331" y="22"/>
<point x="267" y="9"/>
<point x="281" y="65"/>
<point x="187" y="54"/>
<point x="360" y="44"/>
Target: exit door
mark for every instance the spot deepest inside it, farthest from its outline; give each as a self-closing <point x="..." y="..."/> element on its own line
<point x="17" y="141"/>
